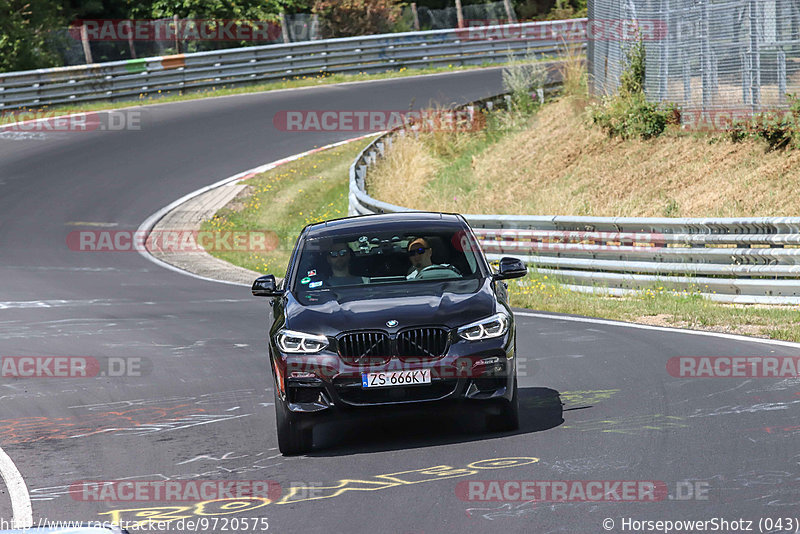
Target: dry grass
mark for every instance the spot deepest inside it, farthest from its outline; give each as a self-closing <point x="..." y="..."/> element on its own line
<point x="403" y="176"/>
<point x="563" y="166"/>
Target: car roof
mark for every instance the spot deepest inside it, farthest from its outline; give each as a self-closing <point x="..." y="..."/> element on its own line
<point x="386" y="221"/>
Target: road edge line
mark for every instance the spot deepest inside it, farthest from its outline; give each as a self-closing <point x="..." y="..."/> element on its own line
<point x="668" y="329"/>
<point x="148" y="224"/>
<point x="21" y="510"/>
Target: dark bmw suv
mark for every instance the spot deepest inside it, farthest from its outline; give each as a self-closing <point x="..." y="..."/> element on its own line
<point x="385" y="310"/>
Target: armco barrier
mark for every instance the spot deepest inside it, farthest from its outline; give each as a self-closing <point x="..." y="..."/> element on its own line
<point x="752" y="260"/>
<point x="124" y="80"/>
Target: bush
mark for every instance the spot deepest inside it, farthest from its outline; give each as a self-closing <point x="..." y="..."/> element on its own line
<point x="780" y="130"/>
<point x="631" y="116"/>
<point x="523" y="78"/>
<point x="348" y="18"/>
<point x="628" y="114"/>
<point x="631" y="80"/>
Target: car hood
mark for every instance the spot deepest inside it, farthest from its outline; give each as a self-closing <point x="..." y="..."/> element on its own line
<point x="450" y="304"/>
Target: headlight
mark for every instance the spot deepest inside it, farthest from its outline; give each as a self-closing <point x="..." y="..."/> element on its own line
<point x="300" y="342"/>
<point x="494" y="326"/>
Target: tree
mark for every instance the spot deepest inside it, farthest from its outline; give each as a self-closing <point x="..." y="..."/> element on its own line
<point x="25" y="27"/>
<point x="216" y="9"/>
<point x="347" y="18"/>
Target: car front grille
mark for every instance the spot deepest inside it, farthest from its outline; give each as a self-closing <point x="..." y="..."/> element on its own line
<point x="365" y="348"/>
<point x="369" y="348"/>
<point x="424" y="343"/>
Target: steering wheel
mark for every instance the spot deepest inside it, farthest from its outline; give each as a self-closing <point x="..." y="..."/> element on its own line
<point x="437" y="268"/>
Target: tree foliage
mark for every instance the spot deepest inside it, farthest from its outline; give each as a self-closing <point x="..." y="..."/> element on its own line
<point x="347" y="18"/>
<point x="30" y="29"/>
<point x="215" y="9"/>
<point x="24" y="33"/>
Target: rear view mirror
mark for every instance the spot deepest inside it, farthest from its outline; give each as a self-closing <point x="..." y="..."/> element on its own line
<point x="510" y="268"/>
<point x="265" y="286"/>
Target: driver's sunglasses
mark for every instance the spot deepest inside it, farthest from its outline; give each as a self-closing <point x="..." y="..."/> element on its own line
<point x="417" y="250"/>
<point x="335" y="253"/>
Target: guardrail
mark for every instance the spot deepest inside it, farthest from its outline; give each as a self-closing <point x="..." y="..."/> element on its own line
<point x="123" y="80"/>
<point x="735" y="260"/>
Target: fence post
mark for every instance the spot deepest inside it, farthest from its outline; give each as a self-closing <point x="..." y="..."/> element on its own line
<point x="755" y="59"/>
<point x="87" y="50"/>
<point x="687" y="79"/>
<point x="590" y="49"/>
<point x="705" y="56"/>
<point x="177" y="34"/>
<point x="512" y="17"/>
<point x="782" y="76"/>
<point x="285" y="29"/>
<point x="664" y="49"/>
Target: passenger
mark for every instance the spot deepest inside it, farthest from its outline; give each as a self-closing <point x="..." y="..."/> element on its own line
<point x="339" y="261"/>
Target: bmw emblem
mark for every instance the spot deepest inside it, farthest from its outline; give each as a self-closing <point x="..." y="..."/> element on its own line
<point x="392" y="323"/>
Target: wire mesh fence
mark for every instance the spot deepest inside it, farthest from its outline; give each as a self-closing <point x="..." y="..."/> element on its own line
<point x="292" y="28"/>
<point x="441" y="19"/>
<point x="701" y="54"/>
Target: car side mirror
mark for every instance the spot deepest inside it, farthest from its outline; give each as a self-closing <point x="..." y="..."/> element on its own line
<point x="265" y="286"/>
<point x="510" y="268"/>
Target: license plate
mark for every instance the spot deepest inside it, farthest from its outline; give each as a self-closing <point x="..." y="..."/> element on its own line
<point x="395" y="378"/>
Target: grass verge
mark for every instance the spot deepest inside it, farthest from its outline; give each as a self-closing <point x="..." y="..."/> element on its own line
<point x="658" y="306"/>
<point x="284" y="200"/>
<point x="571" y="167"/>
<point x="314" y="189"/>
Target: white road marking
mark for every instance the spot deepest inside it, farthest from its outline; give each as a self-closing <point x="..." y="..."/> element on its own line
<point x="22" y="513"/>
<point x="151" y="221"/>
<point x="87" y="223"/>
<point x="733" y="337"/>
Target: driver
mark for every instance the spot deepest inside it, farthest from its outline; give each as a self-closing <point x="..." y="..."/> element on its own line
<point x="419" y="253"/>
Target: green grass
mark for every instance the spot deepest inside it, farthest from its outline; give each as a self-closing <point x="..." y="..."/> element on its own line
<point x="658" y="305"/>
<point x="314" y="189"/>
<point x="284" y="200"/>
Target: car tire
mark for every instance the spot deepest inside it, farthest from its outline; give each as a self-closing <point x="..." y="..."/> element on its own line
<point x="508" y="418"/>
<point x="293" y="436"/>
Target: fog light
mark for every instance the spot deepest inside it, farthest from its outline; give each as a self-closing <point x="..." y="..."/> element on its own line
<point x="486" y="361"/>
<point x="297" y="374"/>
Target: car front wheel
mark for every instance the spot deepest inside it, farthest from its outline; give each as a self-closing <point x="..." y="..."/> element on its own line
<point x="508" y="418"/>
<point x="293" y="436"/>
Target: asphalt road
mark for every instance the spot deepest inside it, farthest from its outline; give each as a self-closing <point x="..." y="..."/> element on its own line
<point x="203" y="410"/>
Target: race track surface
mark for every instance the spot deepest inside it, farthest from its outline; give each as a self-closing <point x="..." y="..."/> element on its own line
<point x="723" y="448"/>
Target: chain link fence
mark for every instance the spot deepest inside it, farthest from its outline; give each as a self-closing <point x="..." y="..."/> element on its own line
<point x="441" y="19"/>
<point x="701" y="54"/>
<point x="299" y="27"/>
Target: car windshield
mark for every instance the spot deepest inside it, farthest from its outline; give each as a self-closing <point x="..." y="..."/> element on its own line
<point x="370" y="258"/>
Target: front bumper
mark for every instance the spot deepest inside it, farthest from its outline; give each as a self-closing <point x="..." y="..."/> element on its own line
<point x="476" y="371"/>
